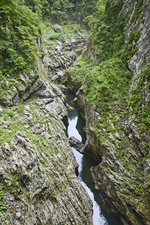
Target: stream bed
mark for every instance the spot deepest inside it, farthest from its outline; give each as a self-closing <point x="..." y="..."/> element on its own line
<point x="102" y="215"/>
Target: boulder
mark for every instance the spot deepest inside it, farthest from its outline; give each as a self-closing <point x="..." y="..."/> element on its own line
<point x="78" y="145"/>
<point x="57" y="28"/>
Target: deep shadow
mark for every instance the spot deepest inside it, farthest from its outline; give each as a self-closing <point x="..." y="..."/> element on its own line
<point x="80" y="125"/>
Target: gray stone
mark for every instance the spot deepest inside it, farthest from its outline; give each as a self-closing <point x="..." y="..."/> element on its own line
<point x="40" y="166"/>
<point x="58" y="48"/>
<point x="18" y="215"/>
<point x="27" y="107"/>
<point x="12" y="198"/>
<point x="74" y="142"/>
<point x="1" y="110"/>
<point x="57" y="28"/>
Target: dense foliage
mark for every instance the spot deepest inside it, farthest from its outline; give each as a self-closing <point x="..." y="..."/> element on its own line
<point x="103" y="83"/>
<point x="56" y="9"/>
<point x="19" y="29"/>
<point x="19" y="32"/>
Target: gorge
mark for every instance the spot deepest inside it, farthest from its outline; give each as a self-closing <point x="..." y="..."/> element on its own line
<point x="102" y="212"/>
<point x="99" y="50"/>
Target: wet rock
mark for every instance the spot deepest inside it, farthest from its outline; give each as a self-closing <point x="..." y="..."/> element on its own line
<point x="78" y="145"/>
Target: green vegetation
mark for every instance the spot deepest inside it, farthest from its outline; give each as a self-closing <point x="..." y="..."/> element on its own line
<point x="107" y="33"/>
<point x="103" y="83"/>
<point x="2" y="205"/>
<point x="19" y="53"/>
<point x="21" y="23"/>
<point x="139" y="106"/>
<point x="19" y="27"/>
<point x="52" y="37"/>
<point x="106" y="78"/>
<point x="19" y="31"/>
<point x="56" y="9"/>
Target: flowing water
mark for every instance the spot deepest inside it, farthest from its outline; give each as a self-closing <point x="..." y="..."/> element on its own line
<point x="101" y="211"/>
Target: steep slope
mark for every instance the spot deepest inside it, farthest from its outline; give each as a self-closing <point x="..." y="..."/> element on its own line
<point x="114" y="96"/>
<point x="37" y="172"/>
<point x="38" y="183"/>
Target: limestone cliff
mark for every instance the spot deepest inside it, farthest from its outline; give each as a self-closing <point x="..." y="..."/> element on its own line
<point x="119" y="137"/>
<point x="38" y="184"/>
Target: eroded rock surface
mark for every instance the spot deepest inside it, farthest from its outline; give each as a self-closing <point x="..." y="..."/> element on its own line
<point x="78" y="145"/>
<point x="17" y="89"/>
<point x="123" y="173"/>
<point x="38" y="184"/>
<point x="118" y="136"/>
<point x="142" y="26"/>
<point x="37" y="165"/>
<point x="59" y="56"/>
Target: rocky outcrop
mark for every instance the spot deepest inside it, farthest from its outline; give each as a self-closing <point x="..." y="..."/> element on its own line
<point x="78" y="145"/>
<point x="61" y="54"/>
<point x="37" y="170"/>
<point x="20" y="88"/>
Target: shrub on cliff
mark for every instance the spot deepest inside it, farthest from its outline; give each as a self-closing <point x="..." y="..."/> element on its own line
<point x="18" y="39"/>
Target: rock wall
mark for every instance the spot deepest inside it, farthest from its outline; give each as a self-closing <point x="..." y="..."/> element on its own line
<point x="123" y="174"/>
<point x="61" y="54"/>
<point x="138" y="22"/>
<point x="38" y="184"/>
<point x="17" y="89"/>
<point x="118" y="139"/>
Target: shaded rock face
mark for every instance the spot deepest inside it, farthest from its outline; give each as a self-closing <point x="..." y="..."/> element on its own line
<point x="37" y="169"/>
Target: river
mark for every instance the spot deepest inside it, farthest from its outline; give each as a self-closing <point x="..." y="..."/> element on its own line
<point x="101" y="215"/>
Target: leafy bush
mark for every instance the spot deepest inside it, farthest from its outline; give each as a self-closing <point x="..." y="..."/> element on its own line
<point x="18" y="39"/>
<point x="57" y="36"/>
<point x="103" y="83"/>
